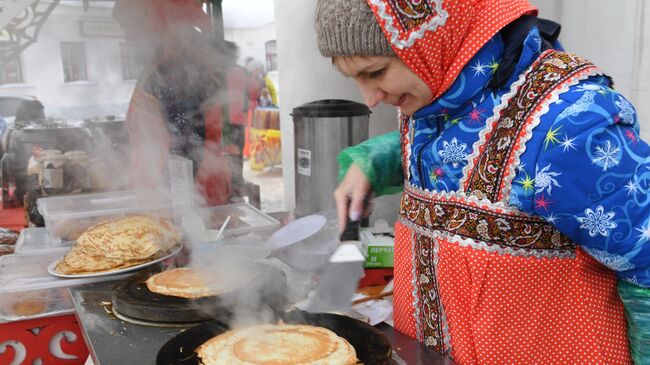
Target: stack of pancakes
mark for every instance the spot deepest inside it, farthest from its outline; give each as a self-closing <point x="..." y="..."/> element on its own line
<point x="193" y="283"/>
<point x="119" y="243"/>
<point x="278" y="344"/>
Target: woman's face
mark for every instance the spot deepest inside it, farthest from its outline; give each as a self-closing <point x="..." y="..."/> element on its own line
<point x="386" y="79"/>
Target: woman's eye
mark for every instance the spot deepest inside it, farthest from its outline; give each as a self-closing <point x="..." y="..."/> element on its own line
<point x="376" y="74"/>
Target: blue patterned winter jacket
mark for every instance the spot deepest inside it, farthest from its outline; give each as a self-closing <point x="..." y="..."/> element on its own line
<point x="585" y="169"/>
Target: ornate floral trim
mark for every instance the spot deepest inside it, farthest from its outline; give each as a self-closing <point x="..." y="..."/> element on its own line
<point x="479" y="145"/>
<point x="483" y="246"/>
<point x="519" y="234"/>
<point x="433" y="196"/>
<point x="414" y="288"/>
<point x="534" y="120"/>
<point x="548" y="73"/>
<point x="411" y="29"/>
<point x="405" y="141"/>
<point x="431" y="321"/>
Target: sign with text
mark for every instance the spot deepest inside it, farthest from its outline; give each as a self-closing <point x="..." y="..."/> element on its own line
<point x="101" y="29"/>
<point x="304" y="162"/>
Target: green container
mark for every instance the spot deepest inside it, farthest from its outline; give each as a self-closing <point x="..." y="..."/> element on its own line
<point x="381" y="250"/>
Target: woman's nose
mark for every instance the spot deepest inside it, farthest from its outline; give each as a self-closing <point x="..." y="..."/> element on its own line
<point x="372" y="95"/>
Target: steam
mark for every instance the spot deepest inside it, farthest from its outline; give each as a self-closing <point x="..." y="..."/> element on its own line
<point x="187" y="84"/>
<point x="177" y="102"/>
<point x="265" y="283"/>
<point x="256" y="292"/>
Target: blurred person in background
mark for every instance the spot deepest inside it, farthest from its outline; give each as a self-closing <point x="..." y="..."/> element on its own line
<point x="176" y="106"/>
<point x="242" y="88"/>
<point x="28" y="111"/>
<point x="253" y="100"/>
<point x="268" y="93"/>
<point x="524" y="227"/>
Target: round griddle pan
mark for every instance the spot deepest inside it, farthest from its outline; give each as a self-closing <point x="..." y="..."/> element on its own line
<point x="372" y="347"/>
<point x="132" y="298"/>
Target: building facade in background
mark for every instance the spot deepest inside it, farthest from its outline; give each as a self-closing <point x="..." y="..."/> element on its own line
<point x="82" y="67"/>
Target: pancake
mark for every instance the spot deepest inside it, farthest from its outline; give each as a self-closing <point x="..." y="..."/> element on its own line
<point x="26" y="303"/>
<point x="119" y="243"/>
<point x="182" y="282"/>
<point x="277" y="345"/>
<point x="132" y="237"/>
<point x="28" y="307"/>
<point x="192" y="283"/>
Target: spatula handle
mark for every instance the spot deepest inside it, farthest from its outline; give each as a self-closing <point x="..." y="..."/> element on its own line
<point x="351" y="231"/>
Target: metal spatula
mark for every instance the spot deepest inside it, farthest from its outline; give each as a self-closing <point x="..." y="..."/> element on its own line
<point x="341" y="276"/>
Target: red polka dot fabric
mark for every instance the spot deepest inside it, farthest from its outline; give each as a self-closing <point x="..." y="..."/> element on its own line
<point x="440" y="51"/>
<point x="524" y="310"/>
<point x="503" y="309"/>
<point x="403" y="299"/>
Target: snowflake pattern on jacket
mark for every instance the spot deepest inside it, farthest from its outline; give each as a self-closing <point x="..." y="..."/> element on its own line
<point x="585" y="169"/>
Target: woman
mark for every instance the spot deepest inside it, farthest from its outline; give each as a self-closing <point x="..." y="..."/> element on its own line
<point x="268" y="94"/>
<point x="524" y="179"/>
<point x="175" y="107"/>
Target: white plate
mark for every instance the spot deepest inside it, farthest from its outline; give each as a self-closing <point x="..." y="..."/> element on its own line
<point x="51" y="267"/>
<point x="296" y="231"/>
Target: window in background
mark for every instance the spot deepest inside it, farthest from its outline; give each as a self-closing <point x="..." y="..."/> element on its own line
<point x="271" y="55"/>
<point x="131" y="68"/>
<point x="73" y="57"/>
<point x="11" y="72"/>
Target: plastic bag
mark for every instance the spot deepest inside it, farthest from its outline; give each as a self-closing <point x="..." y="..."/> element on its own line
<point x="637" y="309"/>
<point x="6" y="249"/>
<point x="8" y="236"/>
<point x="379" y="158"/>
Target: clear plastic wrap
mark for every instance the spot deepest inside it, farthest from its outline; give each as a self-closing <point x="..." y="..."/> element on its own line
<point x="380" y="160"/>
<point x="8" y="236"/>
<point x="637" y="309"/>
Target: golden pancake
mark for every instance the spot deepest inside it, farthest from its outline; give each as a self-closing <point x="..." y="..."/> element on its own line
<point x="193" y="283"/>
<point x="182" y="282"/>
<point x="137" y="236"/>
<point x="283" y="344"/>
<point x="119" y="243"/>
<point x="28" y="307"/>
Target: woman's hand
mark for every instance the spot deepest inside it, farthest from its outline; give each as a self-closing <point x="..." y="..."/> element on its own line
<point x="351" y="196"/>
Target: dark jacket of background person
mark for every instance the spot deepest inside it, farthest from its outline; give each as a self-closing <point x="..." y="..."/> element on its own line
<point x="175" y="107"/>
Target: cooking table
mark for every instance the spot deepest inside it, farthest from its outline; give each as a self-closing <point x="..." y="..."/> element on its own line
<point x="113" y="341"/>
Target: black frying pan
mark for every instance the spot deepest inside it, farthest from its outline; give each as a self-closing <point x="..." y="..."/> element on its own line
<point x="133" y="299"/>
<point x="372" y="347"/>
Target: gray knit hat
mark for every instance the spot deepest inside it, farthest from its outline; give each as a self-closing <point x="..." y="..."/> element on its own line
<point x="349" y="28"/>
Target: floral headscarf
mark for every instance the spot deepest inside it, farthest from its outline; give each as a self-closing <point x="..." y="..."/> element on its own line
<point x="436" y="38"/>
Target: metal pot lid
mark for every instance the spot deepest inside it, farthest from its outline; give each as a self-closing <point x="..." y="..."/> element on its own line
<point x="296" y="231"/>
<point x="330" y="108"/>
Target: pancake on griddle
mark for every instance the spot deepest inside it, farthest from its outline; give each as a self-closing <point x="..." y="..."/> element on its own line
<point x="278" y="344"/>
<point x="193" y="283"/>
<point x="119" y="243"/>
